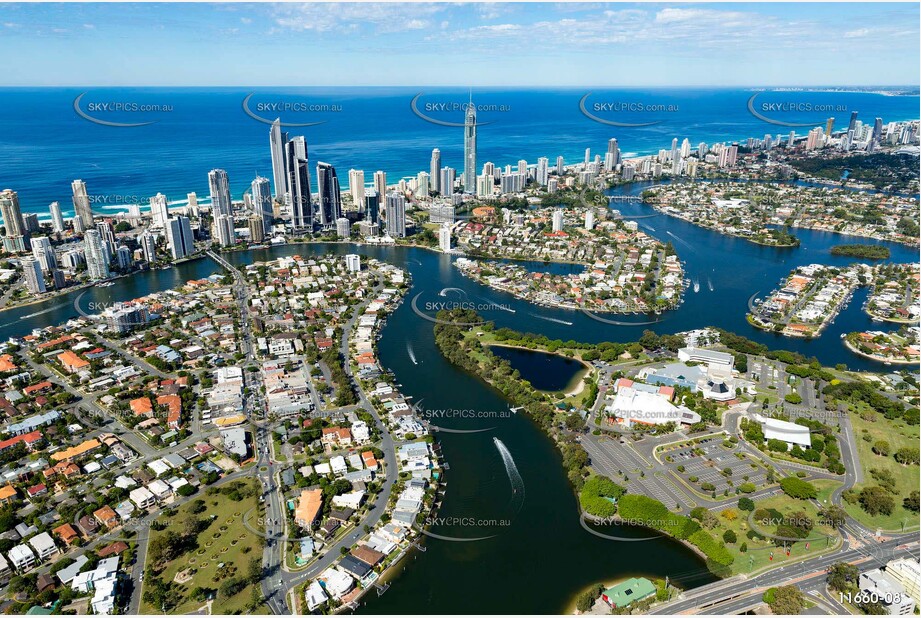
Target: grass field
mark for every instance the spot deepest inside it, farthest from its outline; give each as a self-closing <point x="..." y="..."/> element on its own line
<point x="224" y="550"/>
<point x="898" y="435"/>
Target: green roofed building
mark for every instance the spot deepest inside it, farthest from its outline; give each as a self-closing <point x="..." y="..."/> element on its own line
<point x="630" y="591"/>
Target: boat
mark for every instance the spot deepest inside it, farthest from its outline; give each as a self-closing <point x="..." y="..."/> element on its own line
<point x="106" y="284"/>
<point x="696" y="285"/>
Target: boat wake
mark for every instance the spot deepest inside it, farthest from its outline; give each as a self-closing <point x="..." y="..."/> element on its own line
<point x="543" y="317"/>
<point x="681" y="240"/>
<point x="412" y="354"/>
<point x="493" y="305"/>
<point x="445" y="291"/>
<point x="511" y="470"/>
<point x="696" y="284"/>
<point x="49" y="310"/>
<point x="710" y="284"/>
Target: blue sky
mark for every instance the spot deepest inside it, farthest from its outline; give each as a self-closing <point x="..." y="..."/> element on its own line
<point x="483" y="44"/>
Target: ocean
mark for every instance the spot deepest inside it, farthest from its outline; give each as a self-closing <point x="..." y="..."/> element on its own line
<point x="45" y="143"/>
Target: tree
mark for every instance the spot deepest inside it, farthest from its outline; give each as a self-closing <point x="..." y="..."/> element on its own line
<point x="729" y="537"/>
<point x="907" y="455"/>
<point x="787" y="600"/>
<point x="833" y="515"/>
<point x="912" y="501"/>
<point x="798" y="488"/>
<point x="746" y="504"/>
<point x="881" y="447"/>
<point x="843" y="577"/>
<point x="875" y="500"/>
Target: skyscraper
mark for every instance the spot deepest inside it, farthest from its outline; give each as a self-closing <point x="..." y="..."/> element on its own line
<point x="542" y="173"/>
<point x="44" y="253"/>
<point x="444" y="238"/>
<point x="372" y="206"/>
<point x="57" y="220"/>
<point x="396" y="215"/>
<point x="853" y="123"/>
<point x="15" y="238"/>
<point x="829" y="126"/>
<point x="224" y="228"/>
<point x="82" y="203"/>
<point x="446" y="181"/>
<point x="107" y="234"/>
<point x="148" y="244"/>
<point x="277" y="141"/>
<point x="97" y="261"/>
<point x="357" y="188"/>
<point x="328" y="194"/>
<point x="434" y="167"/>
<point x="219" y="185"/>
<point x="298" y="174"/>
<point x="159" y="210"/>
<point x="179" y="237"/>
<point x="469" y="150"/>
<point x="256" y="228"/>
<point x="380" y="182"/>
<point x="560" y="168"/>
<point x="423" y="184"/>
<point x="262" y="201"/>
<point x="32" y="273"/>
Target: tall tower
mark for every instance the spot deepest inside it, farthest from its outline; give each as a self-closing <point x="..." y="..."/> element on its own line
<point x="434" y="168"/>
<point x="97" y="261"/>
<point x="469" y="148"/>
<point x="16" y="236"/>
<point x="219" y="184"/>
<point x="396" y="215"/>
<point x="298" y="174"/>
<point x="262" y="201"/>
<point x="159" y="210"/>
<point x="328" y="194"/>
<point x="357" y="188"/>
<point x="82" y="203"/>
<point x="277" y="140"/>
<point x="57" y="220"/>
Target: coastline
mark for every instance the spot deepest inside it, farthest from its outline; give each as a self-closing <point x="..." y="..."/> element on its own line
<point x="879" y="359"/>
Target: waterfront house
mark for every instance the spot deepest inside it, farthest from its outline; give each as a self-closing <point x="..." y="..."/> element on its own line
<point x="627" y="592"/>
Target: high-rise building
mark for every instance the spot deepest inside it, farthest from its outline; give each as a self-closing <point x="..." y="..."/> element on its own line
<point x="560" y="168"/>
<point x="877" y="130"/>
<point x="853" y="123"/>
<point x="82" y="203"/>
<point x="484" y="185"/>
<point x="444" y="238"/>
<point x="396" y="215"/>
<point x="219" y="186"/>
<point x="380" y="182"/>
<point x="148" y="244"/>
<point x="123" y="257"/>
<point x="57" y="219"/>
<point x="298" y="175"/>
<point x="423" y="184"/>
<point x="343" y="227"/>
<point x="32" y="273"/>
<point x="357" y="188"/>
<point x="262" y="202"/>
<point x="226" y="236"/>
<point x="542" y="172"/>
<point x="829" y="126"/>
<point x="557" y="220"/>
<point x="159" y="210"/>
<point x="353" y="262"/>
<point x="330" y="207"/>
<point x="589" y="220"/>
<point x="179" y="237"/>
<point x="277" y="141"/>
<point x="372" y="206"/>
<point x="256" y="228"/>
<point x="15" y="237"/>
<point x="434" y="167"/>
<point x="469" y="151"/>
<point x="30" y="220"/>
<point x="446" y="181"/>
<point x="97" y="260"/>
<point x="192" y="208"/>
<point x="107" y="234"/>
<point x="43" y="252"/>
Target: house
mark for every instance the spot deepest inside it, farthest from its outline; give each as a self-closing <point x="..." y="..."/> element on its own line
<point x="309" y="506"/>
<point x="355" y="567"/>
<point x="106" y="516"/>
<point x="66" y="533"/>
<point x="7" y="494"/>
<point x="78" y="451"/>
<point x="335" y="582"/>
<point x="68" y="573"/>
<point x="315" y="595"/>
<point x="142" y="497"/>
<point x="366" y="554"/>
<point x="71" y="362"/>
<point x="142" y="407"/>
<point x="4" y="566"/>
<point x="112" y="550"/>
<point x="22" y="558"/>
<point x="627" y="592"/>
<point x="338" y="465"/>
<point x="336" y="437"/>
<point x="160" y="489"/>
<point x="44" y="546"/>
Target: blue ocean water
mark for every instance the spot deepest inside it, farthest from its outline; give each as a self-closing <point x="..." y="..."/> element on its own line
<point x="45" y="143"/>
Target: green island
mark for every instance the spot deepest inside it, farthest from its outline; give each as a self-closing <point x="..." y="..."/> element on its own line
<point x="870" y="252"/>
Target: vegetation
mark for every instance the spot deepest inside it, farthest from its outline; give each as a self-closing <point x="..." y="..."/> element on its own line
<point x="870" y="252"/>
<point x="599" y="496"/>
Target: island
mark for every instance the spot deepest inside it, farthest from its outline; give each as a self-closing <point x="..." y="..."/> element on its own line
<point x="869" y="252"/>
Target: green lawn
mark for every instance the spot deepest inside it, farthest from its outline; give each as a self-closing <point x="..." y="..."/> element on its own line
<point x="898" y="435"/>
<point x="225" y="541"/>
<point x="759" y="551"/>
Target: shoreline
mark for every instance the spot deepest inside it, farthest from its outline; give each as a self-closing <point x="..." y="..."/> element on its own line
<point x="581" y="378"/>
<point x="879" y="359"/>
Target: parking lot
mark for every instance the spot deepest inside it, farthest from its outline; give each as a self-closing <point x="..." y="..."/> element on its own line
<point x="703" y="464"/>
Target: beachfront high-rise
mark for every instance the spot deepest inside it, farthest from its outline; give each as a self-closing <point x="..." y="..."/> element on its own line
<point x="277" y="141"/>
<point x="446" y="181"/>
<point x="380" y="182"/>
<point x="372" y="206"/>
<point x="57" y="219"/>
<point x="44" y="253"/>
<point x="81" y="201"/>
<point x="357" y="188"/>
<point x="434" y="167"/>
<point x="219" y="186"/>
<point x="328" y="194"/>
<point x="159" y="210"/>
<point x="298" y="175"/>
<point x="560" y="168"/>
<point x="15" y="238"/>
<point x="32" y="273"/>
<point x="97" y="260"/>
<point x="469" y="149"/>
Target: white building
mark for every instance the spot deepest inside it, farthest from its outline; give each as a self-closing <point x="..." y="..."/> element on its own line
<point x="22" y="558"/>
<point x="791" y="433"/>
<point x="633" y="405"/>
<point x="907" y="571"/>
<point x="44" y="546"/>
<point x="888" y="590"/>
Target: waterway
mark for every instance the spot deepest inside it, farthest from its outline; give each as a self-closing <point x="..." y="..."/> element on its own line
<point x="545" y="372"/>
<point x="536" y="556"/>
